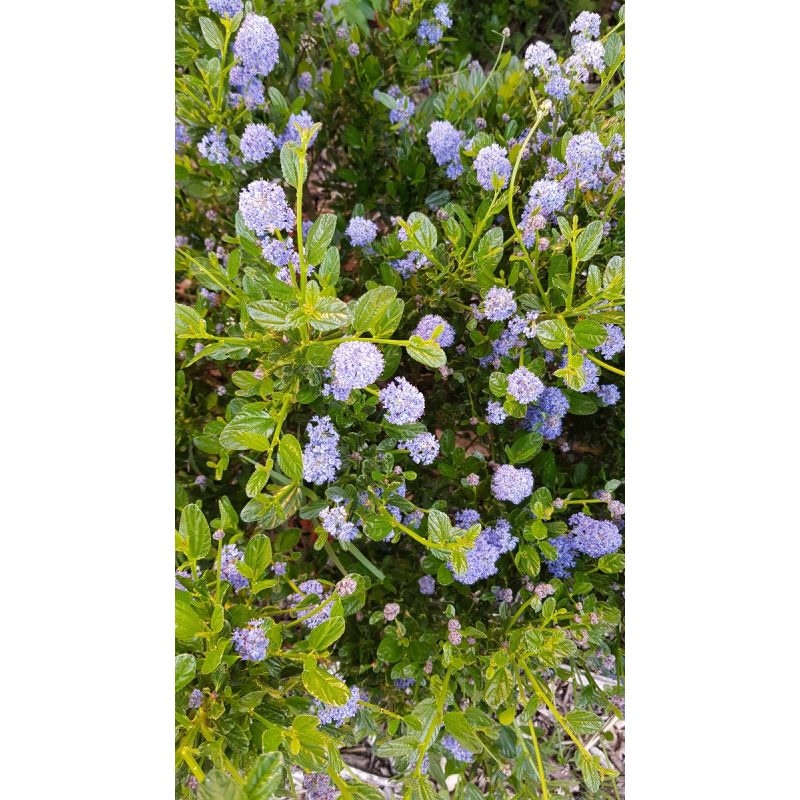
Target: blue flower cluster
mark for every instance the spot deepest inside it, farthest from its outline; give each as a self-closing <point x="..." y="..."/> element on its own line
<point x="615" y="343"/>
<point x="181" y="134"/>
<point x="338" y="715"/>
<point x="495" y="414"/>
<point x="257" y="143"/>
<point x="354" y="365"/>
<point x="321" y="455"/>
<point x="306" y="588"/>
<point x="213" y="147"/>
<point x="318" y="787"/>
<point x="246" y="88"/>
<point x="402" y="113"/>
<point x="444" y="141"/>
<point x="489" y="546"/>
<point x="512" y="483"/>
<point x="423" y="449"/>
<point x="195" y="699"/>
<point x="491" y="163"/>
<point x="456" y="750"/>
<point x="546" y="416"/>
<point x="404" y="683"/>
<point x="524" y="386"/>
<point x="403" y="402"/>
<point x="257" y="45"/>
<point x="250" y="642"/>
<point x="428" y="324"/>
<point x="427" y="584"/>
<point x="304" y="81"/>
<point x="593" y="537"/>
<point x="499" y="303"/>
<point x="230" y="555"/>
<point x="334" y="521"/>
<point x="540" y="58"/>
<point x="361" y="231"/>
<point x="264" y="208"/>
<point x="226" y="7"/>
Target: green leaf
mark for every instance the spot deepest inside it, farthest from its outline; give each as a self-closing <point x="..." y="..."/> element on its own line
<point x="329" y="313"/>
<point x="613" y="49"/>
<point x="588" y="240"/>
<point x="456" y="723"/>
<point x="498" y="384"/>
<point x="371" y="306"/>
<point x="589" y="334"/>
<point x="527" y="560"/>
<point x="329" y="271"/>
<point x="552" y="333"/>
<point x="211" y="33"/>
<point x="581" y="404"/>
<point x="271" y="314"/>
<point x="584" y="722"/>
<point x="219" y="786"/>
<point x="324" y="686"/>
<point x="526" y="447"/>
<point x="498" y="688"/>
<point x="389" y="321"/>
<point x="290" y="457"/>
<point x="377" y="528"/>
<point x="214" y="656"/>
<point x="185" y="667"/>
<point x="258" y="554"/>
<point x="265" y="777"/>
<point x="189" y="324"/>
<point x="428" y="353"/>
<point x="386" y="100"/>
<point x="247" y="431"/>
<point x="194" y="529"/>
<point x="187" y="623"/>
<point x="290" y="164"/>
<point x="594" y="281"/>
<point x="390" y="650"/>
<point x="326" y="633"/>
<point x="613" y="562"/>
<point x="319" y="354"/>
<point x="490" y="250"/>
<point x="319" y="237"/>
<point x="424" y="231"/>
<point x="397" y="748"/>
<point x="590" y="771"/>
<point x="278" y="100"/>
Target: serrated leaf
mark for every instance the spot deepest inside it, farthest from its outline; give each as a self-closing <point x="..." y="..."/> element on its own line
<point x="326" y="633"/>
<point x="589" y="334"/>
<point x="423" y="230"/>
<point x="187" y="622"/>
<point x="329" y="313"/>
<point x="211" y="33"/>
<point x="427" y="353"/>
<point x="290" y="457"/>
<point x="271" y="314"/>
<point x="194" y="529"/>
<point x="247" y="432"/>
<point x="258" y="554"/>
<point x="456" y="723"/>
<point x="324" y="686"/>
<point x="319" y="237"/>
<point x="219" y="786"/>
<point x="584" y="722"/>
<point x="185" y="667"/>
<point x="189" y="324"/>
<point x="371" y="306"/>
<point x="611" y="563"/>
<point x="290" y="164"/>
<point x="552" y="333"/>
<point x="265" y="777"/>
<point x="588" y="240"/>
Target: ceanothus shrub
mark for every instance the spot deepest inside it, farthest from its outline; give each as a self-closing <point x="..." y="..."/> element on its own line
<point x="399" y="408"/>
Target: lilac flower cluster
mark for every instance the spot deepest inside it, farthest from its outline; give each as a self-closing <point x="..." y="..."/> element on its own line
<point x="524" y="386"/>
<point x="615" y="343"/>
<point x="318" y="787"/>
<point x="213" y="147"/>
<point x="264" y="208"/>
<point x="361" y="231"/>
<point x="423" y="449"/>
<point x="512" y="483"/>
<point x="334" y="521"/>
<point x="181" y="134"/>
<point x="402" y="113"/>
<point x="428" y="324"/>
<point x="306" y="588"/>
<point x="442" y="15"/>
<point x="230" y="555"/>
<point x="427" y="584"/>
<point x="594" y="537"/>
<point x="540" y="58"/>
<point x="279" y="253"/>
<point x="467" y="518"/>
<point x="609" y="394"/>
<point x="586" y="23"/>
<point x="489" y="546"/>
<point x="552" y="406"/>
<point x="226" y="7"/>
<point x="354" y="365"/>
<point x="195" y="699"/>
<point x="291" y="133"/>
<point x="338" y="715"/>
<point x="491" y="163"/>
<point x="257" y="143"/>
<point x="256" y="44"/>
<point x="444" y="141"/>
<point x="304" y="81"/>
<point x="495" y="414"/>
<point x="456" y="750"/>
<point x="250" y="642"/>
<point x="404" y="683"/>
<point x="585" y="157"/>
<point x="403" y="402"/>
<point x="321" y="455"/>
<point x="410" y="264"/>
<point x="246" y="88"/>
<point x="499" y="303"/>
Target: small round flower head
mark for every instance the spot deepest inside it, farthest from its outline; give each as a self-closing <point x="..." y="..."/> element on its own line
<point x="539" y="58"/>
<point x="428" y="31"/>
<point x="304" y="81"/>
<point x="403" y="402"/>
<point x="279" y="253"/>
<point x="558" y="86"/>
<point x="480" y="123"/>
<point x="355" y="365"/>
<point x="319" y="17"/>
<point x="428" y="324"/>
<point x="250" y="642"/>
<point x="249" y="88"/>
<point x="495" y="414"/>
<point x="491" y="164"/>
<point x="402" y="113"/>
<point x="565" y="557"/>
<point x="594" y="537"/>
<point x="361" y="231"/>
<point x="213" y="147"/>
<point x="592" y="373"/>
<point x="181" y="134"/>
<point x="585" y="157"/>
<point x="512" y="483"/>
<point x="337" y="715"/>
<point x="453" y="625"/>
<point x="222" y="391"/>
<point x="592" y="53"/>
<point x="524" y="386"/>
<point x="543" y="590"/>
<point x="192" y="782"/>
<point x="503" y="595"/>
<point x="230" y="555"/>
<point x="609" y="394"/>
<point x="615" y="508"/>
<point x="587" y="23"/>
<point x="334" y="521"/>
<point x="442" y="14"/>
<point x="346" y="586"/>
<point x="499" y="303"/>
<point x="296" y="123"/>
<point x="321" y="460"/>
<point x="306" y="588"/>
<point x="257" y="143"/>
<point x="390" y="611"/>
<point x="614" y="343"/>
<point x="467" y="518"/>
<point x="257" y="44"/>
<point x="264" y="208"/>
<point x="473" y="479"/>
<point x="181" y="241"/>
<point x="444" y="141"/>
<point x="548" y="197"/>
<point x="201" y="481"/>
<point x="279" y="568"/>
<point x="423" y="449"/>
<point x="454" y="637"/>
<point x="218" y="534"/>
<point x="427" y="584"/>
<point x="226" y="7"/>
<point x="454" y="170"/>
<point x="456" y="750"/>
<point x="353" y="49"/>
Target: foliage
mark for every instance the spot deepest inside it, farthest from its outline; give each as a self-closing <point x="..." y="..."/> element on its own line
<point x="315" y="507"/>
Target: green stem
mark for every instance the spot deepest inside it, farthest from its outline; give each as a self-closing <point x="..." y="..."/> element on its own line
<point x="333" y="557"/>
<point x="222" y="74"/>
<point x="604" y="365"/>
<point x="313" y="611"/>
<point x="433" y="726"/>
<point x="521" y="609"/>
<point x="539" y="764"/>
<point x="382" y="710"/>
<point x="351" y="548"/>
<point x="427" y="542"/>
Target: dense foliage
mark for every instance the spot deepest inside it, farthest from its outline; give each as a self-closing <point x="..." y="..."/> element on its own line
<point x="399" y="339"/>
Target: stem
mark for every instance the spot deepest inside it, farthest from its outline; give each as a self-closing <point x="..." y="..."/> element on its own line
<point x="521" y="609"/>
<point x="429" y="735"/>
<point x="218" y="104"/>
<point x="333" y="557"/>
<point x="382" y="710"/>
<point x="413" y="535"/>
<point x="313" y="611"/>
<point x="365" y="561"/>
<point x="219" y="570"/>
<point x="545" y="795"/>
<point x="604" y="365"/>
